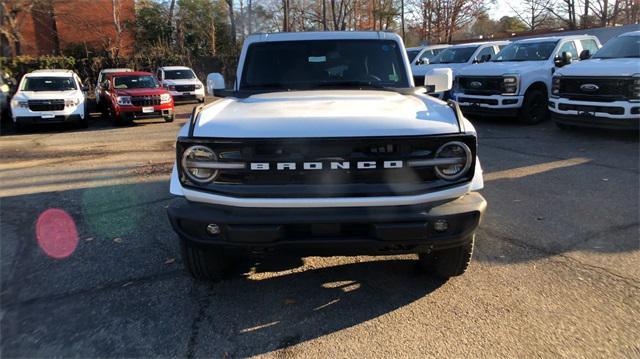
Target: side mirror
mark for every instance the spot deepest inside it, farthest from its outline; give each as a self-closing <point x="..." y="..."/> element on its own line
<point x="485" y="58"/>
<point x="564" y="59"/>
<point x="215" y="81"/>
<point x="424" y="61"/>
<point x="585" y="55"/>
<point x="438" y="80"/>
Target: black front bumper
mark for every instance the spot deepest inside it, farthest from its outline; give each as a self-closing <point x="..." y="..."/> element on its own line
<point x="34" y="120"/>
<point x="487" y="111"/>
<point x="330" y="231"/>
<point x="597" y="121"/>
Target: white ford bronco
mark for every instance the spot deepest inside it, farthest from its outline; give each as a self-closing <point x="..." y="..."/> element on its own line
<point x="603" y="91"/>
<point x="517" y="81"/>
<point x="324" y="146"/>
<point x="49" y="96"/>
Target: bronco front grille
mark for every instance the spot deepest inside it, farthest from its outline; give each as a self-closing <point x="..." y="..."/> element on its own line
<point x="600" y="89"/>
<point x="46" y="105"/>
<point x="327" y="182"/>
<point x="145" y="100"/>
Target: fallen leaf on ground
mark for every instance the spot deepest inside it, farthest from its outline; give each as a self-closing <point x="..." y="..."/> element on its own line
<point x="169" y="260"/>
<point x="89" y="239"/>
<point x="118" y="240"/>
<point x="289" y="301"/>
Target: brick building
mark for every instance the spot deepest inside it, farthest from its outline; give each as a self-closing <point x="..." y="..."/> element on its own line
<point x="51" y="27"/>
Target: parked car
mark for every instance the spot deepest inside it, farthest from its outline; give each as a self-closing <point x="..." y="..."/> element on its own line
<point x="603" y="91"/>
<point x="49" y="96"/>
<point x="424" y="54"/>
<point x="127" y="96"/>
<point x="181" y="82"/>
<point x="517" y="82"/>
<point x="4" y="98"/>
<point x="457" y="57"/>
<point x="101" y="78"/>
<point x="323" y="147"/>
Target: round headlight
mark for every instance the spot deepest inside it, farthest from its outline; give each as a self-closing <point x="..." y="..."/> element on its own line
<point x="193" y="169"/>
<point x="457" y="160"/>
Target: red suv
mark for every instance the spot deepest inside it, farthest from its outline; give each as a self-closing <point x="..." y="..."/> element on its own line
<point x="127" y="96"/>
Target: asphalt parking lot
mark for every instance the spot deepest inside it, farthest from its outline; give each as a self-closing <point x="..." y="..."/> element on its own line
<point x="556" y="270"/>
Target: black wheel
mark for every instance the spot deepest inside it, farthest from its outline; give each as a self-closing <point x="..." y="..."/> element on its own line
<point x="170" y="118"/>
<point x="534" y="108"/>
<point x="20" y="127"/>
<point x="449" y="262"/>
<point x="204" y="264"/>
<point x="84" y="122"/>
<point x="201" y="100"/>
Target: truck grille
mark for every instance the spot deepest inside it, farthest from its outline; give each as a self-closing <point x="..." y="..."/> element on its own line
<point x="605" y="89"/>
<point x="327" y="182"/>
<point x="46" y="105"/>
<point x="145" y="100"/>
<point x="185" y="88"/>
<point x="480" y="85"/>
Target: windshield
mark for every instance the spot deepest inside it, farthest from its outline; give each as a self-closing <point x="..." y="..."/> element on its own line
<point x="411" y="54"/>
<point x="454" y="55"/>
<point x="44" y="83"/>
<point x="526" y="51"/>
<point x="304" y="65"/>
<point x="179" y="74"/>
<point x="135" y="82"/>
<point x="620" y="47"/>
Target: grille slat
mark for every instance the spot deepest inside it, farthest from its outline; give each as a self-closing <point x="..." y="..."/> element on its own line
<point x="609" y="89"/>
<point x="185" y="88"/>
<point x="145" y="100"/>
<point x="46" y="105"/>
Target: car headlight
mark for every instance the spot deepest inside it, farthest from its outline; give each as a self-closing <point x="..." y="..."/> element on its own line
<point x="124" y="100"/>
<point x="194" y="164"/>
<point x="19" y="104"/>
<point x="71" y="102"/>
<point x="165" y="98"/>
<point x="635" y="88"/>
<point x="198" y="86"/>
<point x="510" y="84"/>
<point x="456" y="160"/>
<point x="555" y="85"/>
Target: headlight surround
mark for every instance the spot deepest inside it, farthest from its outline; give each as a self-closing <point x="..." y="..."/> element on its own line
<point x="124" y="100"/>
<point x="510" y="84"/>
<point x="460" y="158"/>
<point x="165" y="98"/>
<point x="71" y="102"/>
<point x="194" y="154"/>
<point x="19" y="103"/>
<point x="198" y="86"/>
<point x="635" y="88"/>
<point x="555" y="85"/>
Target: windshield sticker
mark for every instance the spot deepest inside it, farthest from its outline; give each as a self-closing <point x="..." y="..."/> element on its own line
<point x="317" y="59"/>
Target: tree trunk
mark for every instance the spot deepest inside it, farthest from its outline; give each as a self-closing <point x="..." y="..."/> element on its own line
<point x="250" y="16"/>
<point x="232" y="23"/>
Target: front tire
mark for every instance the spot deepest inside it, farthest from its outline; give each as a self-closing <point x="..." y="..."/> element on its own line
<point x="204" y="264"/>
<point x="170" y="118"/>
<point x="450" y="262"/>
<point x="534" y="108"/>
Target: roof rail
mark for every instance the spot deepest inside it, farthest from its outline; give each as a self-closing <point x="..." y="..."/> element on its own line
<point x="52" y="70"/>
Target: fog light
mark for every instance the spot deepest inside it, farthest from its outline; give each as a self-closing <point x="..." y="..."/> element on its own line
<point x="213" y="229"/>
<point x="441" y="225"/>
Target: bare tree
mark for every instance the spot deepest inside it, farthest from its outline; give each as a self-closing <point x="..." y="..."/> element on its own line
<point x="11" y="23"/>
<point x="232" y="23"/>
<point x="566" y="12"/>
<point x="533" y="12"/>
<point x="606" y="12"/>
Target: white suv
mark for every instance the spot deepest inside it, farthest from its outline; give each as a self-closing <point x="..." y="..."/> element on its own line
<point x="603" y="91"/>
<point x="457" y="57"/>
<point x="181" y="82"/>
<point x="518" y="81"/>
<point x="49" y="96"/>
<point x="419" y="56"/>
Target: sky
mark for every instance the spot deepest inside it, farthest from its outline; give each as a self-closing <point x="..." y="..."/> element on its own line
<point x="501" y="9"/>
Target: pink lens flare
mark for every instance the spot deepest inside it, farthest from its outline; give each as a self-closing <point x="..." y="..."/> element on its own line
<point x="56" y="233"/>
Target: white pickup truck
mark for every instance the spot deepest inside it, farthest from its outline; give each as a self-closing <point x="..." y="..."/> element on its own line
<point x="603" y="91"/>
<point x="517" y="82"/>
<point x="324" y="146"/>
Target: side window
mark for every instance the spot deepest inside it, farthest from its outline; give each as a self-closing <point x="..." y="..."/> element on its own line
<point x="569" y="47"/>
<point x="159" y="75"/>
<point x="486" y="51"/>
<point x="589" y="44"/>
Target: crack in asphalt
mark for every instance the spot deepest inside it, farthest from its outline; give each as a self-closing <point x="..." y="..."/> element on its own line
<point x="122" y="284"/>
<point x="634" y="171"/>
<point x="203" y="306"/>
<point x="633" y="282"/>
<point x="611" y="230"/>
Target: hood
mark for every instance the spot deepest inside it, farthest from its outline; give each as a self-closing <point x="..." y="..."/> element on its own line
<point x="501" y="68"/>
<point x="341" y="113"/>
<point x="182" y="82"/>
<point x="423" y="69"/>
<point x="48" y="95"/>
<point x="140" y="92"/>
<point x="602" y="67"/>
